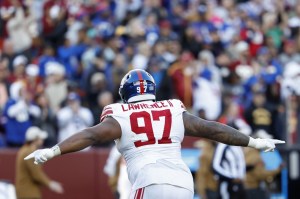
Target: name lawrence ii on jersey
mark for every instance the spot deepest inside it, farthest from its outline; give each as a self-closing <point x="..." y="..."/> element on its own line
<point x="138" y="106"/>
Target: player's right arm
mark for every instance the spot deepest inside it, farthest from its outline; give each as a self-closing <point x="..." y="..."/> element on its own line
<point x="108" y="130"/>
<point x="197" y="127"/>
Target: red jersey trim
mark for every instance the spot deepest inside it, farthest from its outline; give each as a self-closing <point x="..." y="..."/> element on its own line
<point x="105" y="113"/>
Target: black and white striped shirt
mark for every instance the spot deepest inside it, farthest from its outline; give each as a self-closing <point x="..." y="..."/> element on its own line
<point x="229" y="162"/>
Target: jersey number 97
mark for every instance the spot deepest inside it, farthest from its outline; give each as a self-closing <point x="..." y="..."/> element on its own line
<point x="148" y="128"/>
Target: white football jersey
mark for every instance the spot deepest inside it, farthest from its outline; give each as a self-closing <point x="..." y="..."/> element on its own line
<point x="152" y="133"/>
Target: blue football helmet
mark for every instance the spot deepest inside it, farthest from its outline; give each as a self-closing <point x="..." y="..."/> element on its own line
<point x="137" y="85"/>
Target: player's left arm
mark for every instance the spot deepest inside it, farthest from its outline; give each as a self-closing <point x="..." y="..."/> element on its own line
<point x="108" y="130"/>
<point x="197" y="127"/>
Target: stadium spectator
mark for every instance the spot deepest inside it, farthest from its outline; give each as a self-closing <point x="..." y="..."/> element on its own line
<point x="289" y="112"/>
<point x="232" y="116"/>
<point x="104" y="98"/>
<point x="19" y="64"/>
<point x="91" y="83"/>
<point x="206" y="182"/>
<point x="4" y="96"/>
<point x="47" y="121"/>
<point x="56" y="85"/>
<point x="73" y="117"/>
<point x="112" y="45"/>
<point x="19" y="112"/>
<point x="207" y="87"/>
<point x="166" y="32"/>
<point x="207" y="96"/>
<point x="54" y="22"/>
<point x="48" y="55"/>
<point x="290" y="53"/>
<point x="290" y="80"/>
<point x="68" y="55"/>
<point x="260" y="115"/>
<point x="8" y="54"/>
<point x="30" y="178"/>
<point x="257" y="174"/>
<point x="239" y="51"/>
<point x="208" y="68"/>
<point x="4" y="84"/>
<point x="253" y="34"/>
<point x="158" y="69"/>
<point x="153" y="6"/>
<point x="141" y="58"/>
<point x="119" y="69"/>
<point x="159" y="49"/>
<point x="97" y="84"/>
<point x="181" y="73"/>
<point x="173" y="52"/>
<point x="201" y="23"/>
<point x="176" y="15"/>
<point x="271" y="68"/>
<point x="17" y="29"/>
<point x="272" y="29"/>
<point x="124" y="8"/>
<point x="33" y="83"/>
<point x="189" y="41"/>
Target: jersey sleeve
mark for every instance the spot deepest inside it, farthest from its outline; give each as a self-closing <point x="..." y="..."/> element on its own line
<point x="107" y="111"/>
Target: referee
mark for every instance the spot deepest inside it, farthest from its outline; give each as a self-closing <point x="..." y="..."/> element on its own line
<point x="229" y="166"/>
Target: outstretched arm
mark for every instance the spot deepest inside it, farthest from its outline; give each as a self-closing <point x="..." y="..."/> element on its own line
<point x="197" y="127"/>
<point x="109" y="129"/>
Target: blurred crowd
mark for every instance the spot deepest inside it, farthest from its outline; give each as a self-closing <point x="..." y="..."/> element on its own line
<point x="234" y="61"/>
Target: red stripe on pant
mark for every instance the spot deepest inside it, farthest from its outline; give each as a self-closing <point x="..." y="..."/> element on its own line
<point x="139" y="193"/>
<point x="142" y="195"/>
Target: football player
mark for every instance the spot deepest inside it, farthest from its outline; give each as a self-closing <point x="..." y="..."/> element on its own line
<point x="148" y="133"/>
